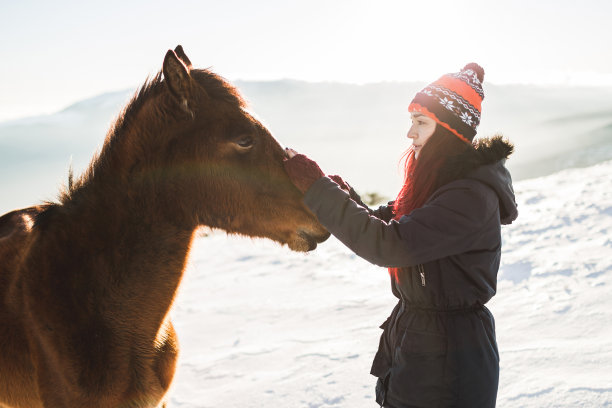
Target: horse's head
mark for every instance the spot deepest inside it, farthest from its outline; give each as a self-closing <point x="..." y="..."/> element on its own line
<point x="230" y="166"/>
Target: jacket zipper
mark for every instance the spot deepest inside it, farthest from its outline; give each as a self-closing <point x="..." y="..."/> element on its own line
<point x="421" y="270"/>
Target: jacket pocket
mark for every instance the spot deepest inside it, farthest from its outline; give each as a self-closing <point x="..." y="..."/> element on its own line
<point x="419" y="366"/>
<point x="385" y="324"/>
<point x="488" y="328"/>
<point x="382" y="359"/>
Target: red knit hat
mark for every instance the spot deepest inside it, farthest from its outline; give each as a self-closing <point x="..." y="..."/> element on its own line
<point x="453" y="101"/>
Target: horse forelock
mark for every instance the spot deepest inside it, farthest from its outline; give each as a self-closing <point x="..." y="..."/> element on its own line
<point x="218" y="88"/>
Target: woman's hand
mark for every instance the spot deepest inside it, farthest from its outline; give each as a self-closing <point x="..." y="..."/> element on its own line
<point x="302" y="171"/>
<point x="343" y="184"/>
<point x="291" y="166"/>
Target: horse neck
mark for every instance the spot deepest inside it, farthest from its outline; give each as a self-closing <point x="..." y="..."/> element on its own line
<point x="120" y="214"/>
<point x="125" y="244"/>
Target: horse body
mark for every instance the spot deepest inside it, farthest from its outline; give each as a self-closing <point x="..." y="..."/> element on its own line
<point x="104" y="340"/>
<point x="87" y="283"/>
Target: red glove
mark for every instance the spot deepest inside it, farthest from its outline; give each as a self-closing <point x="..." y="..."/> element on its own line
<point x="302" y="171"/>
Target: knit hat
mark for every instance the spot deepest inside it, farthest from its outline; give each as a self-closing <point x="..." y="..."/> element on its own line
<point x="453" y="101"/>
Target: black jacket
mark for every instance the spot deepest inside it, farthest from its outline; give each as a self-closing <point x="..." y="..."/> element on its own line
<point x="449" y="254"/>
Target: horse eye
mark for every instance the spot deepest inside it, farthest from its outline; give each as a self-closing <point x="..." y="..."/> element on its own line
<point x="245" y="142"/>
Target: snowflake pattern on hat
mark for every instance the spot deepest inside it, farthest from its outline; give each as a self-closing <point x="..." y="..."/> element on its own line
<point x="471" y="78"/>
<point x="446" y="103"/>
<point x="467" y="119"/>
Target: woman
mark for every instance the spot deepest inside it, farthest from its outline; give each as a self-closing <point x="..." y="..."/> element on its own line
<point x="440" y="239"/>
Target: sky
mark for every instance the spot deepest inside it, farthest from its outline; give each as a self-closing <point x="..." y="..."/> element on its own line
<point x="57" y="53"/>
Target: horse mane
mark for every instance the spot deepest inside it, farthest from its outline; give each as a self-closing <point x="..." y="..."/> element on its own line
<point x="213" y="85"/>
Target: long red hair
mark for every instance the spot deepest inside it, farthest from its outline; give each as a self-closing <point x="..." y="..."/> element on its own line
<point x="422" y="176"/>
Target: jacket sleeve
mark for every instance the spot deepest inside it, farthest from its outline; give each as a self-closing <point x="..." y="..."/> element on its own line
<point x="384" y="212"/>
<point x="450" y="223"/>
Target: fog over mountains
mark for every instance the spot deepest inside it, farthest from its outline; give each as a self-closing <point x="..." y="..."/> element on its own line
<point x="357" y="131"/>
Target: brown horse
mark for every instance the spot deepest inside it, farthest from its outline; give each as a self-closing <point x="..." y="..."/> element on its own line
<point x="86" y="283"/>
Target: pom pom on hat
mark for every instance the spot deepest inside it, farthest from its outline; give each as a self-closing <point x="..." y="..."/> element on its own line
<point x="477" y="69"/>
<point x="454" y="101"/>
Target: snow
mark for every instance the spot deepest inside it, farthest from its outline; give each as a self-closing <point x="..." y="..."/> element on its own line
<point x="262" y="326"/>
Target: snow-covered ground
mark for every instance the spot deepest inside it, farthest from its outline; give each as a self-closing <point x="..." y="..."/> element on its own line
<point x="261" y="326"/>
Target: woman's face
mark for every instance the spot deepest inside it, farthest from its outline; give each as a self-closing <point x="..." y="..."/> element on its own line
<point x="421" y="130"/>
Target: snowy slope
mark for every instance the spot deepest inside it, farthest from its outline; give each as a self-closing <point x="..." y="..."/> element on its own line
<point x="261" y="326"/>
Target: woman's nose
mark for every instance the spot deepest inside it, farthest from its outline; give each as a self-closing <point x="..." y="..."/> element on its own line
<point x="411" y="133"/>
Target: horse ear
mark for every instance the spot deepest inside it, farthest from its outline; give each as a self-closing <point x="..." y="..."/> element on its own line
<point x="181" y="54"/>
<point x="176" y="75"/>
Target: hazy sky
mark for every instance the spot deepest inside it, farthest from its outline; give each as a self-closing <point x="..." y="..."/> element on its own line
<point x="54" y="53"/>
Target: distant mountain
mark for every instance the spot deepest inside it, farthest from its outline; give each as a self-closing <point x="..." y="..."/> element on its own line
<point x="357" y="131"/>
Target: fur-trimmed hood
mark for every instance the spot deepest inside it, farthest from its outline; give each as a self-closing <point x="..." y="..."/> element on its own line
<point x="485" y="163"/>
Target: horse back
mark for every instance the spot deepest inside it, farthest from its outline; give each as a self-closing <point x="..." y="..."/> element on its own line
<point x="17" y="223"/>
<point x="15" y="232"/>
<point x="15" y="229"/>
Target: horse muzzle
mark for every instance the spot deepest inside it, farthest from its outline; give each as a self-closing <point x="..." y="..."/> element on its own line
<point x="305" y="241"/>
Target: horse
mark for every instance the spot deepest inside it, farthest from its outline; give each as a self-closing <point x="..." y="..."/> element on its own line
<point x="87" y="281"/>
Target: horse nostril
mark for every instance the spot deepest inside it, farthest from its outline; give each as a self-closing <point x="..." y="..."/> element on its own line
<point x="313" y="238"/>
